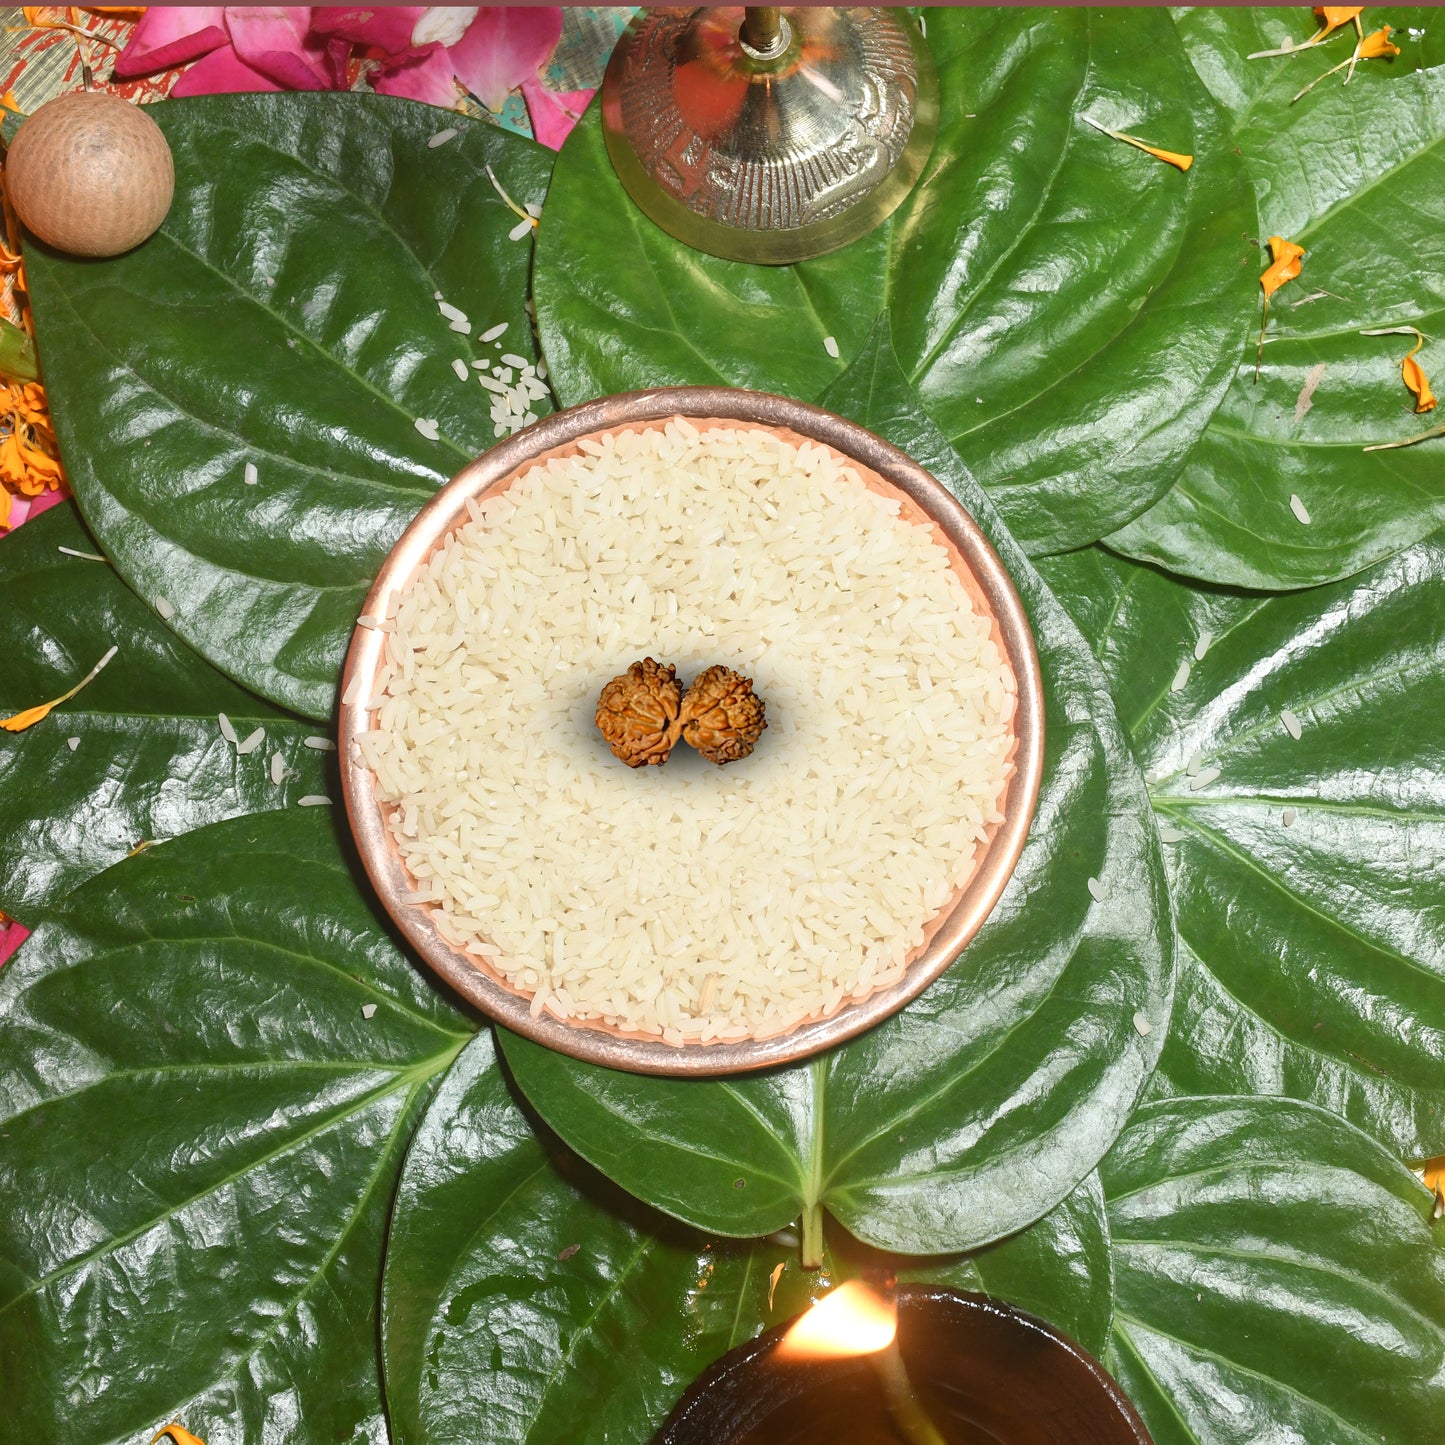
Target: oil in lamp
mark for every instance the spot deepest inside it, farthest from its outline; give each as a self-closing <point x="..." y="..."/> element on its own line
<point x="924" y="1366"/>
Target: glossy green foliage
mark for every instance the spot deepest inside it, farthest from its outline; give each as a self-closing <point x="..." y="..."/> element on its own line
<point x="526" y="1300"/>
<point x="1068" y="307"/>
<point x="284" y="317"/>
<point x="1309" y="874"/>
<point x="150" y="761"/>
<point x="1356" y="175"/>
<point x="1277" y="1278"/>
<point x="200" y="1131"/>
<point x="975" y="1110"/>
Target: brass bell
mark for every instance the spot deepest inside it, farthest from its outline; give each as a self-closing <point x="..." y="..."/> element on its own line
<point x="766" y="134"/>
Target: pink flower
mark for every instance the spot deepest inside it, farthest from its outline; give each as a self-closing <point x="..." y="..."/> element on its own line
<point x="12" y="934"/>
<point x="434" y="54"/>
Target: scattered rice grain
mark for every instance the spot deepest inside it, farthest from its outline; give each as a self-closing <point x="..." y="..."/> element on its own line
<point x="460" y="367"/>
<point x="492" y="332"/>
<point x="1142" y="1026"/>
<point x="452" y="313"/>
<point x="1180" y="678"/>
<point x="165" y="608"/>
<point x="1097" y="891"/>
<point x="250" y="742"/>
<point x="1288" y="817"/>
<point x="321" y="745"/>
<point x="250" y="475"/>
<point x="1171" y="835"/>
<point x="368" y="1010"/>
<point x="441" y="138"/>
<point x="1203" y="780"/>
<point x="1298" y="508"/>
<point x="521" y="229"/>
<point x="84" y="556"/>
<point x="1291" y="723"/>
<point x="830" y="345"/>
<point x="1202" y="645"/>
<point x="278" y="768"/>
<point x="313" y="800"/>
<point x="72" y="743"/>
<point x="429" y="427"/>
<point x="227" y="731"/>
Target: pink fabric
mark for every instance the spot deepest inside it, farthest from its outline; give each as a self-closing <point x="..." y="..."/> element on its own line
<point x="12" y="935"/>
<point x="168" y="35"/>
<point x="276" y="40"/>
<point x="503" y="47"/>
<point x="222" y="72"/>
<point x="553" y="112"/>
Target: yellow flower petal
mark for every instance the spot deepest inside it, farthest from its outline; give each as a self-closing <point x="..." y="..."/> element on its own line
<point x="32" y="715"/>
<point x="1173" y="158"/>
<point x="178" y="1435"/>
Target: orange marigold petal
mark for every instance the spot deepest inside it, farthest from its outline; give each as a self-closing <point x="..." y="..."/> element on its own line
<point x="1333" y="16"/>
<point x="32" y="715"/>
<point x="1284" y="267"/>
<point x="1376" y="44"/>
<point x="1418" y="383"/>
<point x="178" y="1435"/>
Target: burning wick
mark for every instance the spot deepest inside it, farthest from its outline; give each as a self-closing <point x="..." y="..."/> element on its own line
<point x="854" y="1320"/>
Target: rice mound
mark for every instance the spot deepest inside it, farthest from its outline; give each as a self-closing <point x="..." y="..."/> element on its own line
<point x="690" y="902"/>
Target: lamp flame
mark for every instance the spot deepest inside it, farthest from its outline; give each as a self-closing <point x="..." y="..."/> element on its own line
<point x="850" y="1320"/>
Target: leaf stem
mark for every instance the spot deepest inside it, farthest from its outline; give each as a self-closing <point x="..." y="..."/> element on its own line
<point x="812" y="1248"/>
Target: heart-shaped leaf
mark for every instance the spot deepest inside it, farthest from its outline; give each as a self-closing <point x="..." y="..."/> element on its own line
<point x="149" y="760"/>
<point x="1069" y="308"/>
<point x="978" y="1108"/>
<point x="284" y="319"/>
<point x="1308" y="873"/>
<point x="214" y="1058"/>
<point x="1355" y="175"/>
<point x="1277" y="1278"/>
<point x="516" y="1279"/>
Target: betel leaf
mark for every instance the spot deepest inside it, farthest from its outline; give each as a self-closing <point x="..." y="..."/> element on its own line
<point x="1309" y="874"/>
<point x="205" y="1127"/>
<point x="1356" y="175"/>
<point x="149" y="760"/>
<point x="981" y="1105"/>
<point x="1065" y="304"/>
<point x="517" y="1280"/>
<point x="1069" y="308"/>
<point x="283" y="317"/>
<point x="1277" y="1278"/>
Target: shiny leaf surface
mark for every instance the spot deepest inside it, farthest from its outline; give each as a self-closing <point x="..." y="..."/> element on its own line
<point x="977" y="1109"/>
<point x="1312" y="953"/>
<point x="1356" y="175"/>
<point x="1068" y="307"/>
<point x="205" y="1128"/>
<point x="150" y="762"/>
<point x="283" y="317"/>
<point x="1277" y="1278"/>
<point x="517" y="1279"/>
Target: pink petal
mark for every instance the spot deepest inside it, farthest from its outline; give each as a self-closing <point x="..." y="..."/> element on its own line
<point x="169" y="35"/>
<point x="12" y="935"/>
<point x="277" y="41"/>
<point x="386" y="28"/>
<point x="428" y="78"/>
<point x="222" y="72"/>
<point x="553" y="112"/>
<point x="504" y="46"/>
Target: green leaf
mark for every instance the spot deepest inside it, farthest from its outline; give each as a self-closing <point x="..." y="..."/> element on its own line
<point x="150" y="762"/>
<point x="516" y="1279"/>
<point x="17" y="353"/>
<point x="1277" y="1278"/>
<point x="978" y="1108"/>
<point x="1069" y="308"/>
<point x="1312" y="956"/>
<point x="1355" y="175"/>
<point x="205" y="1129"/>
<point x="283" y="317"/>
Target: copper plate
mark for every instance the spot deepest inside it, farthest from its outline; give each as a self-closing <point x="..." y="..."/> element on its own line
<point x="973" y="558"/>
